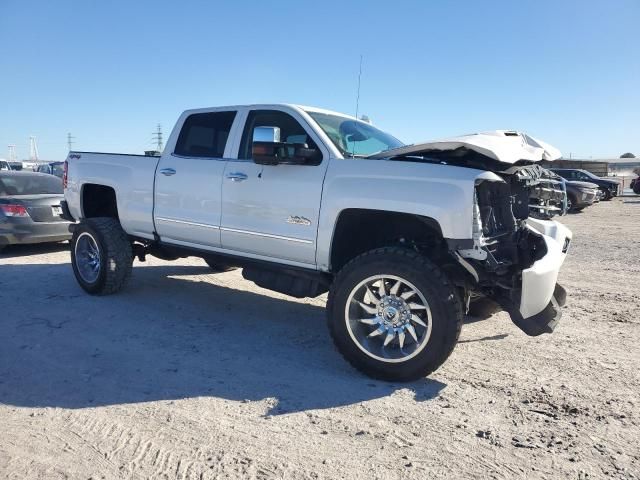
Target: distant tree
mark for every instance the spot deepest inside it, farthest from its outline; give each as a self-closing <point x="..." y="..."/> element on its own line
<point x="627" y="155"/>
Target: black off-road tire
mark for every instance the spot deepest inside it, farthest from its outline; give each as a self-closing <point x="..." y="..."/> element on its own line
<point x="442" y="296"/>
<point x="607" y="195"/>
<point x="116" y="255"/>
<point x="218" y="267"/>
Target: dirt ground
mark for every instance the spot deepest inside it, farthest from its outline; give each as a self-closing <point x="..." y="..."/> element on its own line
<point x="192" y="375"/>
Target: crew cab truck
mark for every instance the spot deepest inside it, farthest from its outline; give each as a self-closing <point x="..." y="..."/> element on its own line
<point x="403" y="237"/>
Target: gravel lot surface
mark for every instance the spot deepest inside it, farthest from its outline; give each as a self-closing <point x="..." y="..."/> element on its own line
<point x="187" y="374"/>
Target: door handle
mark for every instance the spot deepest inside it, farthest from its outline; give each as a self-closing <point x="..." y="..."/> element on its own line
<point x="237" y="176"/>
<point x="168" y="171"/>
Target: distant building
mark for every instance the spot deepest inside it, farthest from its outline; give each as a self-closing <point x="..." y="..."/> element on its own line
<point x="598" y="167"/>
<point x="603" y="167"/>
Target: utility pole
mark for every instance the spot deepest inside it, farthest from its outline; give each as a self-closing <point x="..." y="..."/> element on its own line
<point x="70" y="141"/>
<point x="12" y="153"/>
<point x="157" y="137"/>
<point x="33" y="148"/>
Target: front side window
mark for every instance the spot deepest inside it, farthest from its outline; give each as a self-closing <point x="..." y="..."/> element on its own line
<point x="354" y="138"/>
<point x="290" y="131"/>
<point x="205" y="134"/>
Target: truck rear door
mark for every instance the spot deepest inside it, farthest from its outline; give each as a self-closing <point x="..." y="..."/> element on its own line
<point x="189" y="180"/>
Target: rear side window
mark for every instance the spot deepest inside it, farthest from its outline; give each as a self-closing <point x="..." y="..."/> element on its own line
<point x="205" y="134"/>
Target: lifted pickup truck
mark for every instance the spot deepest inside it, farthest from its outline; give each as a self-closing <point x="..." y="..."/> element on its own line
<point x="305" y="201"/>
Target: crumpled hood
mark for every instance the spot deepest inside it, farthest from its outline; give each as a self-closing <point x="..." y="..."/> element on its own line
<point x="502" y="145"/>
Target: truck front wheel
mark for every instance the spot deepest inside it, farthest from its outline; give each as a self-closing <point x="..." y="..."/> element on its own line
<point x="394" y="315"/>
<point x="101" y="255"/>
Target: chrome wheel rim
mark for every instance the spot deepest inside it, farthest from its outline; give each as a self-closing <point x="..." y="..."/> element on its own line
<point x="87" y="256"/>
<point x="388" y="318"/>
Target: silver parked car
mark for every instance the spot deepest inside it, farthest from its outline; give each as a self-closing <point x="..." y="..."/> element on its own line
<point x="30" y="209"/>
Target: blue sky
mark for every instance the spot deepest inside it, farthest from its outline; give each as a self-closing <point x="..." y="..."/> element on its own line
<point x="567" y="72"/>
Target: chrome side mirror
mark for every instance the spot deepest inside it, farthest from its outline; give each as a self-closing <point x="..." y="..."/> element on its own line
<point x="266" y="143"/>
<point x="266" y="134"/>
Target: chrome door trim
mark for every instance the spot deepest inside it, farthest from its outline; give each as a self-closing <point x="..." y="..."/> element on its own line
<point x="235" y="230"/>
<point x="267" y="235"/>
<point x="184" y="222"/>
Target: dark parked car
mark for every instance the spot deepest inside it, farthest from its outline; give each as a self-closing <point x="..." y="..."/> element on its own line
<point x="580" y="195"/>
<point x="30" y="209"/>
<point x="610" y="188"/>
<point x="635" y="185"/>
<point x="53" y="168"/>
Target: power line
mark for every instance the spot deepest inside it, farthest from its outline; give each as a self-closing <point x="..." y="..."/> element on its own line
<point x="33" y="148"/>
<point x="70" y="141"/>
<point x="12" y="153"/>
<point x="157" y="137"/>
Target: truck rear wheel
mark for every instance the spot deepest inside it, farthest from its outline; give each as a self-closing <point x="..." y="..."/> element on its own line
<point x="394" y="315"/>
<point x="101" y="255"/>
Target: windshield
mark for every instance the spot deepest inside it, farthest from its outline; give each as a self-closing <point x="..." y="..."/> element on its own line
<point x="354" y="138"/>
<point x="15" y="185"/>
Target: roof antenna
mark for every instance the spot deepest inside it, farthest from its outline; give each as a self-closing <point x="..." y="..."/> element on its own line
<point x="358" y="95"/>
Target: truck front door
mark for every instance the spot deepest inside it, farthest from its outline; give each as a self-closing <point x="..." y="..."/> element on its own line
<point x="272" y="211"/>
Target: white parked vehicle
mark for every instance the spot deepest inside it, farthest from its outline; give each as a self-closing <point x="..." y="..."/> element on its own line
<point x="403" y="237"/>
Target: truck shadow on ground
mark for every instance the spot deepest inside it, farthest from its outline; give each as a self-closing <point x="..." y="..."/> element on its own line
<point x="175" y="332"/>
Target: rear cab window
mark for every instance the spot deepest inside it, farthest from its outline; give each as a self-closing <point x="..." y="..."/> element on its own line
<point x="205" y="134"/>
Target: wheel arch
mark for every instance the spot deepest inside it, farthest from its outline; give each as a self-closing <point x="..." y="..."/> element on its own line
<point x="97" y="200"/>
<point x="359" y="230"/>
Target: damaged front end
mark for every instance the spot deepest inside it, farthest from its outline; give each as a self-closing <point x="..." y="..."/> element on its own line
<point x="517" y="250"/>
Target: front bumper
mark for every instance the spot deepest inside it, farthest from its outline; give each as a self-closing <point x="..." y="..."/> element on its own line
<point x="540" y="296"/>
<point x="586" y="198"/>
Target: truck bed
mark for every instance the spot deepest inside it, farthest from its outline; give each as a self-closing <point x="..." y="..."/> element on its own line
<point x="133" y="175"/>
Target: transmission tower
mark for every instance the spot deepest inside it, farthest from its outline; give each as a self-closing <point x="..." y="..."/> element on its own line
<point x="157" y="137"/>
<point x="70" y="141"/>
<point x="12" y="153"/>
<point x="33" y="148"/>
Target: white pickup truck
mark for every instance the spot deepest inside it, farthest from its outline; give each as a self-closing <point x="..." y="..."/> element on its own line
<point x="403" y="237"/>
